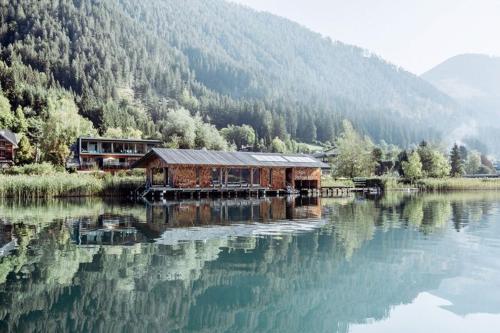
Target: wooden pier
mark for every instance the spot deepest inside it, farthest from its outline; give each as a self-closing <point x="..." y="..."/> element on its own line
<point x="162" y="192"/>
<point x="200" y="192"/>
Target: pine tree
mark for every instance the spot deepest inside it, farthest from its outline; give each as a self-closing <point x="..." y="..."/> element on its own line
<point x="457" y="167"/>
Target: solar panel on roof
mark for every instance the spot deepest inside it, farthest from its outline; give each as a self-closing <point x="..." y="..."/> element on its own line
<point x="269" y="158"/>
<point x="300" y="159"/>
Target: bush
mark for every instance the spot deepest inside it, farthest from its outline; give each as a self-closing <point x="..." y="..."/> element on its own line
<point x="36" y="169"/>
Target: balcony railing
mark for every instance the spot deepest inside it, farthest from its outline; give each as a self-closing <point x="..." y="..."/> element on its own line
<point x="112" y="151"/>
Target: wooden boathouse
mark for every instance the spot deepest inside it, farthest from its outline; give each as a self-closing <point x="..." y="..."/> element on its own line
<point x="202" y="171"/>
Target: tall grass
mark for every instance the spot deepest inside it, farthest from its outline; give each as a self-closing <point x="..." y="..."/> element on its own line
<point x="65" y="185"/>
<point x="458" y="184"/>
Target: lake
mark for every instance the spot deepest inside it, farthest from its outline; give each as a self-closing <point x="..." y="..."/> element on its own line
<point x="397" y="263"/>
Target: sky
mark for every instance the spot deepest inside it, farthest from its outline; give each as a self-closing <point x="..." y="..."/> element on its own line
<point x="413" y="34"/>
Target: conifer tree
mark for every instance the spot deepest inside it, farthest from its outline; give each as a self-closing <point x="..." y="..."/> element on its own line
<point x="457" y="167"/>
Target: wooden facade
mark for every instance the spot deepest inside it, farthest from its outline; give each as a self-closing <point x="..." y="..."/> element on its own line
<point x="8" y="146"/>
<point x="160" y="172"/>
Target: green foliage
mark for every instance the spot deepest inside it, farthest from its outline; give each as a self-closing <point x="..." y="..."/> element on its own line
<point x="439" y="166"/>
<point x="25" y="152"/>
<point x="42" y="181"/>
<point x="63" y="125"/>
<point x="413" y="167"/>
<point x="354" y="154"/>
<point x="207" y="136"/>
<point x="456" y="163"/>
<point x="6" y="117"/>
<point x="117" y="132"/>
<point x="329" y="181"/>
<point x="20" y="125"/>
<point x="128" y="63"/>
<point x="473" y="162"/>
<point x="239" y="135"/>
<point x="181" y="130"/>
<point x="277" y="146"/>
<point x="458" y="184"/>
<point x="35" y="169"/>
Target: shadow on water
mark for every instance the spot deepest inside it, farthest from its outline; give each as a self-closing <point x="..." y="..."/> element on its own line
<point x="234" y="265"/>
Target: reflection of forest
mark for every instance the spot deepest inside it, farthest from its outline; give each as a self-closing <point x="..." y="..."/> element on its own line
<point x="372" y="256"/>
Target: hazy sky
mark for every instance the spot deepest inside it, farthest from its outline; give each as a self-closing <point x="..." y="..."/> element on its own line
<point x="415" y="34"/>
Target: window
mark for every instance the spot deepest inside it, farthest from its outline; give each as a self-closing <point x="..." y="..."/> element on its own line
<point x="106" y="147"/>
<point x="256" y="176"/>
<point x="141" y="149"/>
<point x="233" y="176"/>
<point x="85" y="147"/>
<point x="92" y="147"/>
<point x="119" y="148"/>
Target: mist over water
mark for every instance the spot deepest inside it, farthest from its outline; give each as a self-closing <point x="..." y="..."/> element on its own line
<point x="395" y="263"/>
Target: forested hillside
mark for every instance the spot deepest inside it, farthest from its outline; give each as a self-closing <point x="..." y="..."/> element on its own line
<point x="126" y="63"/>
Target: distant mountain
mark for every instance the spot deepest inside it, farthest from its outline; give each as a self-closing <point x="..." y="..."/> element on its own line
<point x="225" y="61"/>
<point x="474" y="81"/>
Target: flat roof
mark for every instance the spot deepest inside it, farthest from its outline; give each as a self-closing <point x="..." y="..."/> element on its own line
<point x="230" y="159"/>
<point x="119" y="139"/>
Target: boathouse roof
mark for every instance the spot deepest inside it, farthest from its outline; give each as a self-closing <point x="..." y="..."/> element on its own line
<point x="225" y="158"/>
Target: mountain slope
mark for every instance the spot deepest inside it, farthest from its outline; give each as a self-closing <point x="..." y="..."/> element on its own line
<point x="474" y="81"/>
<point x="126" y="62"/>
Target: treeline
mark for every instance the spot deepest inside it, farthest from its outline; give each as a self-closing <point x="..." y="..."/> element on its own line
<point x="359" y="156"/>
<point x="127" y="64"/>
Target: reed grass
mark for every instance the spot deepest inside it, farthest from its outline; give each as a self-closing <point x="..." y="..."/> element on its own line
<point x="65" y="185"/>
<point x="458" y="184"/>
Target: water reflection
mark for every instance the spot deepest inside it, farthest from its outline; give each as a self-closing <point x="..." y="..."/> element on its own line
<point x="276" y="266"/>
<point x="157" y="219"/>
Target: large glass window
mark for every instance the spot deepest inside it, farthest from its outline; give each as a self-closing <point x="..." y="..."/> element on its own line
<point x="141" y="149"/>
<point x="119" y="148"/>
<point x="245" y="177"/>
<point x="106" y="147"/>
<point x="233" y="177"/>
<point x="85" y="147"/>
<point x="216" y="177"/>
<point x="92" y="147"/>
<point x="256" y="176"/>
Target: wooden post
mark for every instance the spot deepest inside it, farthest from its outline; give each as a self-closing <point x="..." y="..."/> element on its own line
<point x="251" y="176"/>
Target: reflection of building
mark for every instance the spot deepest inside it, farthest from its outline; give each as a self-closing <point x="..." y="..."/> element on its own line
<point x="120" y="229"/>
<point x="169" y="169"/>
<point x="108" y="230"/>
<point x="109" y="154"/>
<point x="227" y="211"/>
<point x="8" y="146"/>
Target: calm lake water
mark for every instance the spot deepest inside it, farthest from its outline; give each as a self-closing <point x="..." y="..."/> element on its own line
<point x="400" y="263"/>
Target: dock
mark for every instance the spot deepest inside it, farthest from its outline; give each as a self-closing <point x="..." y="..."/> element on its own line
<point x="163" y="192"/>
<point x="201" y="192"/>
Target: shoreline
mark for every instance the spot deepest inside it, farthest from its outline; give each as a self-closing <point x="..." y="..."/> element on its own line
<point x="84" y="185"/>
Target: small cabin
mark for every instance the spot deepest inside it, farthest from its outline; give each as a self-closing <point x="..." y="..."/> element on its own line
<point x="108" y="154"/>
<point x="192" y="169"/>
<point x="8" y="146"/>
